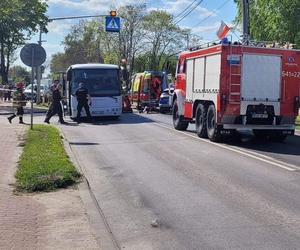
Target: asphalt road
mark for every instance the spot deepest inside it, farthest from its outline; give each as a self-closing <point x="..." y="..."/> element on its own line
<point x="239" y="195"/>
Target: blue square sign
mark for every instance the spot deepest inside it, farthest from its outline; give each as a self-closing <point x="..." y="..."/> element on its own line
<point x="112" y="24"/>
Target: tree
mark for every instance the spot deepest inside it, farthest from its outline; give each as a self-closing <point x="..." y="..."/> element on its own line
<point x="273" y="20"/>
<point x="147" y="41"/>
<point x="18" y="20"/>
<point x="162" y="36"/>
<point x="18" y="73"/>
<point x="131" y="36"/>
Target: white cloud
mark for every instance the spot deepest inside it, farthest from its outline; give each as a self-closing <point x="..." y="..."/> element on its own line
<point x="177" y="6"/>
<point x="207" y="28"/>
<point x="59" y="27"/>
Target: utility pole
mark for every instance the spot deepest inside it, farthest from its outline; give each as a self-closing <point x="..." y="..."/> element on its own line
<point x="246" y="25"/>
<point x="39" y="74"/>
<point x="187" y="41"/>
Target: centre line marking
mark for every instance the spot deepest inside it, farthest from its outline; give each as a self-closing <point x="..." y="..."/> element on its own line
<point x="239" y="151"/>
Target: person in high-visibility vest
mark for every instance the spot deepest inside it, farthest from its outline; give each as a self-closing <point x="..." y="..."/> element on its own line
<point x="18" y="103"/>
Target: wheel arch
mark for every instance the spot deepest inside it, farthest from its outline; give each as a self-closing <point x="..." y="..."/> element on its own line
<point x="206" y="103"/>
<point x="180" y="97"/>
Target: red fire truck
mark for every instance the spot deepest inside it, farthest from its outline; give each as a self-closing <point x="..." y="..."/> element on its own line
<point x="229" y="87"/>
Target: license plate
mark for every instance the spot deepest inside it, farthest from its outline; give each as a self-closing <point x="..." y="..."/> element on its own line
<point x="260" y="116"/>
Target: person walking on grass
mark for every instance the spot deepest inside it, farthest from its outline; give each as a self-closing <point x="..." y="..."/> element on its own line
<point x="18" y="103"/>
<point x="84" y="100"/>
<point x="55" y="106"/>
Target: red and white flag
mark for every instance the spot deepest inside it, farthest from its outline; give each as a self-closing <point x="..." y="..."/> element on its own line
<point x="223" y="30"/>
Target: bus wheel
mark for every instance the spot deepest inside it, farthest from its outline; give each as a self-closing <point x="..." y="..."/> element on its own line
<point x="213" y="132"/>
<point x="201" y="121"/>
<point x="178" y="122"/>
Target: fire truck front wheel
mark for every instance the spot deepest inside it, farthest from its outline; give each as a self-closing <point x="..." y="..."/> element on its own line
<point x="201" y="121"/>
<point x="213" y="132"/>
<point x="178" y="122"/>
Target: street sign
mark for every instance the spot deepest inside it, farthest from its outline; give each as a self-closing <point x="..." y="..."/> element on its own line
<point x="33" y="55"/>
<point x="112" y="24"/>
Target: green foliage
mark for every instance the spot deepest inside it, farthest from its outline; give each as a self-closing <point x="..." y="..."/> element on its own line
<point x="44" y="164"/>
<point x="273" y="20"/>
<point x="162" y="37"/>
<point x="18" y="20"/>
<point x="147" y="41"/>
<point x="18" y="73"/>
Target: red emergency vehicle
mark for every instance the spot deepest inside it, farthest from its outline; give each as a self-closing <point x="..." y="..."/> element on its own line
<point x="228" y="87"/>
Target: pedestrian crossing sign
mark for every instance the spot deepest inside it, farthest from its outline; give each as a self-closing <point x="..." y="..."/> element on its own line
<point x="112" y="24"/>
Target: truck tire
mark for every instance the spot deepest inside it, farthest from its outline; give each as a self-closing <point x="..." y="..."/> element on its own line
<point x="200" y="118"/>
<point x="178" y="122"/>
<point x="213" y="132"/>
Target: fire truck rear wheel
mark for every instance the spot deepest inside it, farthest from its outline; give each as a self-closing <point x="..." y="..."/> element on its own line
<point x="178" y="122"/>
<point x="201" y="121"/>
<point x="213" y="132"/>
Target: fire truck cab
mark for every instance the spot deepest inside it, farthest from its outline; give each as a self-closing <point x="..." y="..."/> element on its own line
<point x="228" y="87"/>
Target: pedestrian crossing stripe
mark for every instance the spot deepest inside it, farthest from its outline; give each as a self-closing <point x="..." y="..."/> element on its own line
<point x="112" y="24"/>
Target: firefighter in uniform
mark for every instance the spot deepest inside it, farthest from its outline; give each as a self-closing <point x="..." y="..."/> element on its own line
<point x="83" y="99"/>
<point x="18" y="103"/>
<point x="55" y="106"/>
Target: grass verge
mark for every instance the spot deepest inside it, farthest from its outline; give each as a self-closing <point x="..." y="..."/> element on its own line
<point x="42" y="105"/>
<point x="44" y="164"/>
<point x="298" y="122"/>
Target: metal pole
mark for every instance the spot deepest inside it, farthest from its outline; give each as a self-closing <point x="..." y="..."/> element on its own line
<point x="32" y="82"/>
<point x="187" y="41"/>
<point x="39" y="74"/>
<point x="246" y="30"/>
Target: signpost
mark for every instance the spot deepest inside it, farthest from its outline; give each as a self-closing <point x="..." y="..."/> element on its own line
<point x="112" y="24"/>
<point x="32" y="55"/>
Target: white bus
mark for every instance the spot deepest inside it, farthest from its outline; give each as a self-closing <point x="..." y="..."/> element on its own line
<point x="104" y="86"/>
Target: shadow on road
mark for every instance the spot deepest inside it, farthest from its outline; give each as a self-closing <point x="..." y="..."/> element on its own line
<point x="291" y="146"/>
<point x="126" y="118"/>
<point x="83" y="143"/>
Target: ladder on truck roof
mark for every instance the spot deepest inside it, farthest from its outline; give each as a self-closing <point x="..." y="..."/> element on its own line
<point x="235" y="70"/>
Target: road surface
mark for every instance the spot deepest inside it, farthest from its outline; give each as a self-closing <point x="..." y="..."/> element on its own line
<point x="201" y="195"/>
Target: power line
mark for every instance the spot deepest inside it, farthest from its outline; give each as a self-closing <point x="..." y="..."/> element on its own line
<point x="213" y="12"/>
<point x="189" y="12"/>
<point x="185" y="9"/>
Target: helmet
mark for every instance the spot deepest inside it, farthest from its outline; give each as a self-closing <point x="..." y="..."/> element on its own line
<point x="19" y="85"/>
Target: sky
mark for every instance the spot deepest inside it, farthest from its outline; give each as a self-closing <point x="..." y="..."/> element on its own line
<point x="204" y="20"/>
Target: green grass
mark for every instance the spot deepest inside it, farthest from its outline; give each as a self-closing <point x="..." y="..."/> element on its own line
<point x="44" y="164"/>
<point x="298" y="122"/>
<point x="42" y="105"/>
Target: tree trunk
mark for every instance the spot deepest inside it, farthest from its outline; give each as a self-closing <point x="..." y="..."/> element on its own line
<point x="2" y="66"/>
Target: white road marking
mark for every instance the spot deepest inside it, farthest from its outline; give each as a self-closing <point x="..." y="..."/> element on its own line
<point x="254" y="155"/>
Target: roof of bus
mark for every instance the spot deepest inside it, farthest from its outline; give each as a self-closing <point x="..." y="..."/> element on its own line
<point x="94" y="66"/>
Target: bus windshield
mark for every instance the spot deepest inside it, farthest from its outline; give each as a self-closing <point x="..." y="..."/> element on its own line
<point x="99" y="82"/>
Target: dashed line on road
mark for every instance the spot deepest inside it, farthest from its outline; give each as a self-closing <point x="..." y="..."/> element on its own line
<point x="254" y="155"/>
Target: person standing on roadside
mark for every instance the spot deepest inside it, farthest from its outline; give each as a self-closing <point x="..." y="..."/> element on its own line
<point x="18" y="103"/>
<point x="84" y="100"/>
<point x="55" y="106"/>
